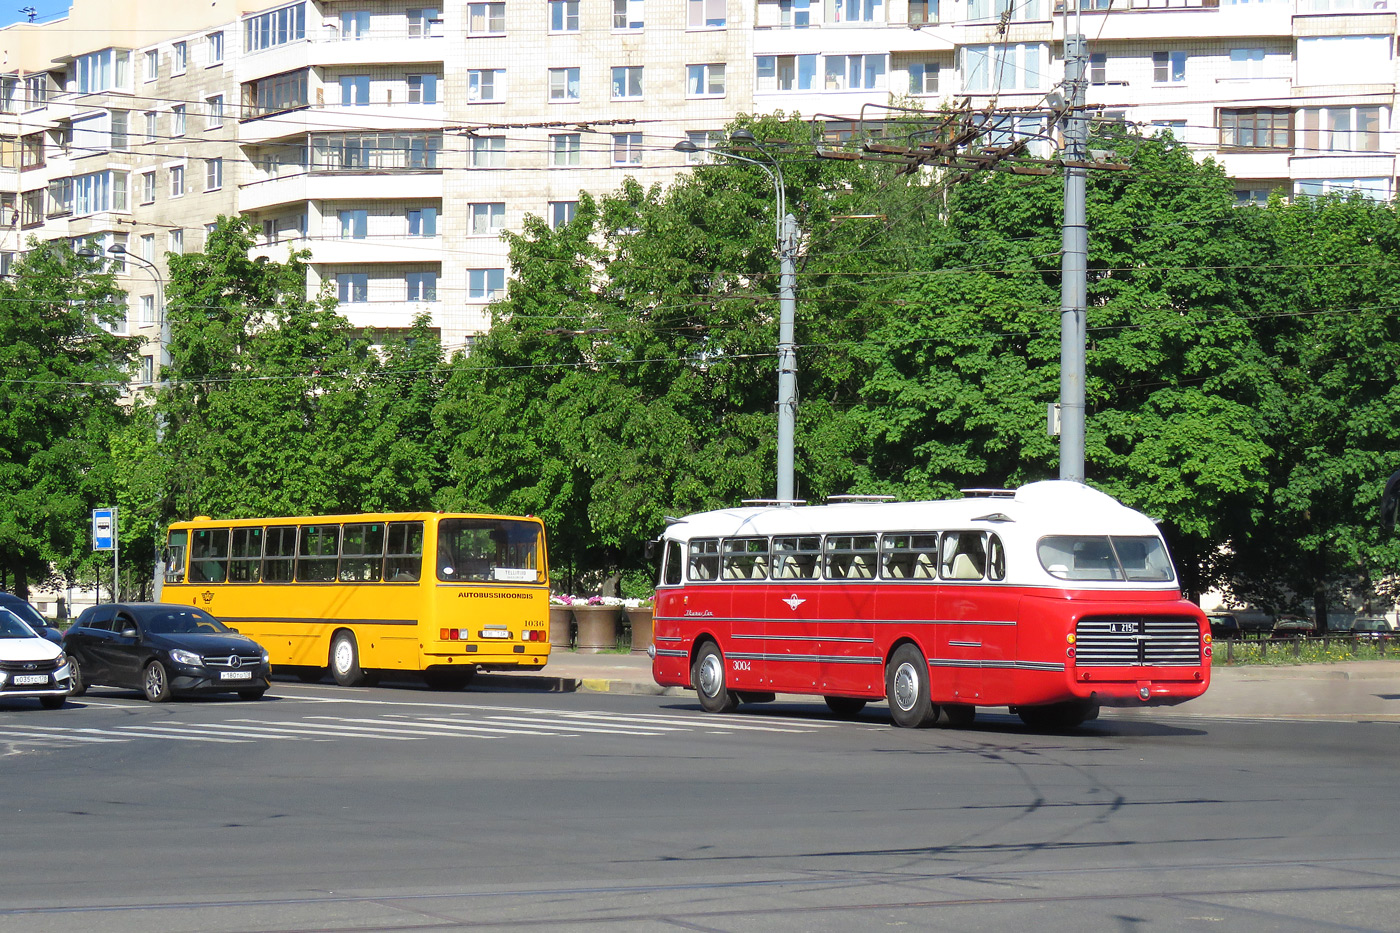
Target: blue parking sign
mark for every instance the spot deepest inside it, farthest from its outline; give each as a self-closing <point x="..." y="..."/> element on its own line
<point x="104" y="529"/>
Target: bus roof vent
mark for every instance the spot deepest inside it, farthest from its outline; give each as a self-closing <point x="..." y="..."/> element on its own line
<point x="994" y="517"/>
<point x="989" y="493"/>
<point x="859" y="497"/>
<point x="773" y="501"/>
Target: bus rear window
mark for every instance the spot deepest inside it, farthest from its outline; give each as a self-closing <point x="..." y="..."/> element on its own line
<point x="481" y="550"/>
<point x="1106" y="558"/>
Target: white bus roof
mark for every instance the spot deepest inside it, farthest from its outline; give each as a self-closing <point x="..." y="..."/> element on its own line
<point x="1036" y="509"/>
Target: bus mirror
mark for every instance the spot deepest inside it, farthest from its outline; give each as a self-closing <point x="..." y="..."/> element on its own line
<point x="650" y="549"/>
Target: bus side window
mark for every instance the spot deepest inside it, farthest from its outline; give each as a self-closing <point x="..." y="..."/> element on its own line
<point x="362" y="553"/>
<point x="318" y="553"/>
<point x="704" y="559"/>
<point x="745" y="558"/>
<point x="245" y="555"/>
<point x="996" y="558"/>
<point x="850" y="557"/>
<point x="909" y="557"/>
<point x="209" y="555"/>
<point x="175" y="556"/>
<point x="797" y="557"/>
<point x="279" y="550"/>
<point x="964" y="555"/>
<point x="404" y="560"/>
<point x="671" y="564"/>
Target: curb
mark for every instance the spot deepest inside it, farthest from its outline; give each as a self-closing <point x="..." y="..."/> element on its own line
<point x="538" y="683"/>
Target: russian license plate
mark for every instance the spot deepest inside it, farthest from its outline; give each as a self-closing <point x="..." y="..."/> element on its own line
<point x="495" y="633"/>
<point x="24" y="680"/>
<point x="235" y="675"/>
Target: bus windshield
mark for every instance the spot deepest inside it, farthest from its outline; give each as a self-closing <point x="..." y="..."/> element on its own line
<point x="477" y="550"/>
<point x="1102" y="558"/>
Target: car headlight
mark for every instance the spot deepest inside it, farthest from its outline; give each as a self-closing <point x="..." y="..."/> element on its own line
<point x="266" y="658"/>
<point x="61" y="661"/>
<point x="185" y="657"/>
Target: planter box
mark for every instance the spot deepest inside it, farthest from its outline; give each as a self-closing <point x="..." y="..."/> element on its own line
<point x="597" y="628"/>
<point x="640" y="620"/>
<point x="561" y="627"/>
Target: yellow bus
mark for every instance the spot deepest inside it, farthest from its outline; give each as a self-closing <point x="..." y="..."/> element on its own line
<point x="446" y="594"/>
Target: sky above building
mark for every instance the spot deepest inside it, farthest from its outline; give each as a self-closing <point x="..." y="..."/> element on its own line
<point x="44" y="10"/>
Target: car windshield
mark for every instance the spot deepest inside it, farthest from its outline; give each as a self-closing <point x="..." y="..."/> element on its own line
<point x="182" y="622"/>
<point x="1106" y="557"/>
<point x="12" y="626"/>
<point x="26" y="612"/>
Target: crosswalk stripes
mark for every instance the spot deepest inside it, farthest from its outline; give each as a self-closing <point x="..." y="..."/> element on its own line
<point x="467" y="722"/>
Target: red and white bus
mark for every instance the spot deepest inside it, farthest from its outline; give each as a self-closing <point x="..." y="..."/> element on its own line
<point x="1052" y="600"/>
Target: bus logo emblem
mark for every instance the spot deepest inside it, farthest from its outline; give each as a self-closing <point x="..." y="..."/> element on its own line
<point x="793" y="602"/>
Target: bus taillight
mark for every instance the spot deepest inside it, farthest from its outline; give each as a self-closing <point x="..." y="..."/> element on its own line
<point x="532" y="634"/>
<point x="455" y="634"/>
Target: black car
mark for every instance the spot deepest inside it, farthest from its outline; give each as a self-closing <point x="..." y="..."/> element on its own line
<point x="163" y="649"/>
<point x="1223" y="625"/>
<point x="31" y="617"/>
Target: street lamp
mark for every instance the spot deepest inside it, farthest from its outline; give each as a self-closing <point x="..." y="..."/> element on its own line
<point x="787" y="302"/>
<point x="117" y="249"/>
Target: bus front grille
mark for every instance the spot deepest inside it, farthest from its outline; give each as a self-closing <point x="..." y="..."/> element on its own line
<point x="1137" y="641"/>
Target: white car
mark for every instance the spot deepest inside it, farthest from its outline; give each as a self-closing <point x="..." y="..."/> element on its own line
<point x="31" y="666"/>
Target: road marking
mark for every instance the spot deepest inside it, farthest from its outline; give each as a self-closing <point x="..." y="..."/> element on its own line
<point x="378" y="725"/>
<point x="554" y="724"/>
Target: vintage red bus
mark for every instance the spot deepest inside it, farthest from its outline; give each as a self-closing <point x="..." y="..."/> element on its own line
<point x="1052" y="600"/>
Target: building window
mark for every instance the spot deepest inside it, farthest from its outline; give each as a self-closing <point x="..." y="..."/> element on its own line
<point x="1377" y="189"/>
<point x="922" y="12"/>
<point x="1168" y="67"/>
<point x="148" y="305"/>
<point x="563" y="84"/>
<point x="785" y="72"/>
<point x="214" y="45"/>
<point x="488" y="218"/>
<point x="274" y="28"/>
<point x="1246" y="63"/>
<point x="354" y="90"/>
<point x="107" y="70"/>
<point x="561" y="213"/>
<point x="704" y="80"/>
<point x="179" y="58"/>
<point x="923" y="78"/>
<point x="31" y="208"/>
<point x="354" y="224"/>
<point x="1342" y="129"/>
<point x="705" y="14"/>
<point x="152" y="69"/>
<point x="486" y="85"/>
<point x="352" y="287"/>
<point x="148" y="187"/>
<point x="177" y="181"/>
<point x="422" y="222"/>
<point x="488" y="152"/>
<point x="485" y="284"/>
<point x="177" y="120"/>
<point x="627" y="149"/>
<point x="703" y="141"/>
<point x="60" y="197"/>
<point x="152" y="126"/>
<point x="995" y="68"/>
<point x="1011" y="10"/>
<point x="98" y="192"/>
<point x="354" y="24"/>
<point x="564" y="149"/>
<point x="213" y="174"/>
<point x="627" y="15"/>
<point x="422" y="286"/>
<point x="1098" y="68"/>
<point x="359" y="152"/>
<point x="177" y="242"/>
<point x="422" y="89"/>
<point x="486" y="19"/>
<point x="215" y="108"/>
<point x="563" y="15"/>
<point x="857" y="11"/>
<point x="1256" y="129"/>
<point x="148" y="364"/>
<point x="275" y="94"/>
<point x="1252" y="196"/>
<point x="855" y="72"/>
<point x="36" y="91"/>
<point x="148" y="245"/>
<point x="424" y="23"/>
<point x="627" y="82"/>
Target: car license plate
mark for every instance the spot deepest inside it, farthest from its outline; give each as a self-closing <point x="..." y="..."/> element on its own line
<point x="235" y="675"/>
<point x="495" y="633"/>
<point x="24" y="680"/>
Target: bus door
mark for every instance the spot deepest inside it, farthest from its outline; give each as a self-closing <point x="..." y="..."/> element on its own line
<point x="977" y="630"/>
<point x="908" y="598"/>
<point x="708" y="606"/>
<point x="743" y="570"/>
<point x="792" y="610"/>
<point x="848" y="604"/>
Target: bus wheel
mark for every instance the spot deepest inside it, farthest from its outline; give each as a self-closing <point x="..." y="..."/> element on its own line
<point x="345" y="661"/>
<point x="907" y="689"/>
<point x="960" y="715"/>
<point x="1057" y="717"/>
<point x="707" y="676"/>
<point x="844" y="706"/>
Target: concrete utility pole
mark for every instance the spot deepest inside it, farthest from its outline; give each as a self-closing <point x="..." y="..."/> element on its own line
<point x="1074" y="260"/>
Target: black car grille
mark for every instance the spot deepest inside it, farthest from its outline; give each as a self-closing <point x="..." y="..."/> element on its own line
<point x="28" y="667"/>
<point x="1137" y="641"/>
<point x="232" y="662"/>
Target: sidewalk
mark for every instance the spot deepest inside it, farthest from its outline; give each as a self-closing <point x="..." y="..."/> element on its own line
<point x="1352" y="690"/>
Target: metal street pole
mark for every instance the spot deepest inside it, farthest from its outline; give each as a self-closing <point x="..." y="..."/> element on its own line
<point x="1074" y="261"/>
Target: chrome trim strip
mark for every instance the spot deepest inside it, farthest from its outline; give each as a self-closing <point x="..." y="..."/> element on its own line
<point x="997" y="665"/>
<point x="669" y="653"/>
<point x="854" y="641"/>
<point x="828" y="621"/>
<point x="965" y="644"/>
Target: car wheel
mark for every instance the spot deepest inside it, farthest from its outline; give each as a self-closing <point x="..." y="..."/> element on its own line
<point x="79" y="685"/>
<point x="960" y="715"/>
<point x="907" y="689"/>
<point x="844" y="706"/>
<point x="155" y="683"/>
<point x="707" y="676"/>
<point x="251" y="694"/>
<point x="345" y="661"/>
<point x="52" y="702"/>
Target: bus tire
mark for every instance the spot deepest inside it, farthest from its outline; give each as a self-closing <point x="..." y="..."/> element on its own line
<point x="1057" y="717"/>
<point x="844" y="707"/>
<point x="907" y="689"/>
<point x="707" y="677"/>
<point x="960" y="715"/>
<point x="345" y="661"/>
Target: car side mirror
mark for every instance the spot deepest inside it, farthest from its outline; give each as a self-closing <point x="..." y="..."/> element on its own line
<point x="128" y="633"/>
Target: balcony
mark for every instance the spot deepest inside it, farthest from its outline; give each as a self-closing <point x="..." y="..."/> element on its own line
<point x="380" y="249"/>
<point x="292" y="185"/>
<point x="1162" y="19"/>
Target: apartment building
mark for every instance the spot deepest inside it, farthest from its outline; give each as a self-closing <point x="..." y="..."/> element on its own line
<point x="396" y="141"/>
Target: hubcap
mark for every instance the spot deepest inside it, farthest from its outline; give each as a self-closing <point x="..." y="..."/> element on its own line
<point x="711" y="675"/>
<point x="342" y="656"/>
<point x="154" y="680"/>
<point x="906" y="686"/>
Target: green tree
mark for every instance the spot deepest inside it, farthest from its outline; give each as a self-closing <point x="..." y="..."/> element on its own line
<point x="65" y="374"/>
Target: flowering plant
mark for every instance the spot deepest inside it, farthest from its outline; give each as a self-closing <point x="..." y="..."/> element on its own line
<point x="604" y="601"/>
<point x="561" y="600"/>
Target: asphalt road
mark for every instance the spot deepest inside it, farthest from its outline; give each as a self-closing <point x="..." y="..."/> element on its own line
<point x="402" y="809"/>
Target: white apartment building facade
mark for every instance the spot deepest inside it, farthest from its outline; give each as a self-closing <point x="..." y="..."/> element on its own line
<point x="396" y="141"/>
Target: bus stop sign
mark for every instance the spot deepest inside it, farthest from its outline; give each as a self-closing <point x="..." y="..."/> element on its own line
<point x="104" y="529"/>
